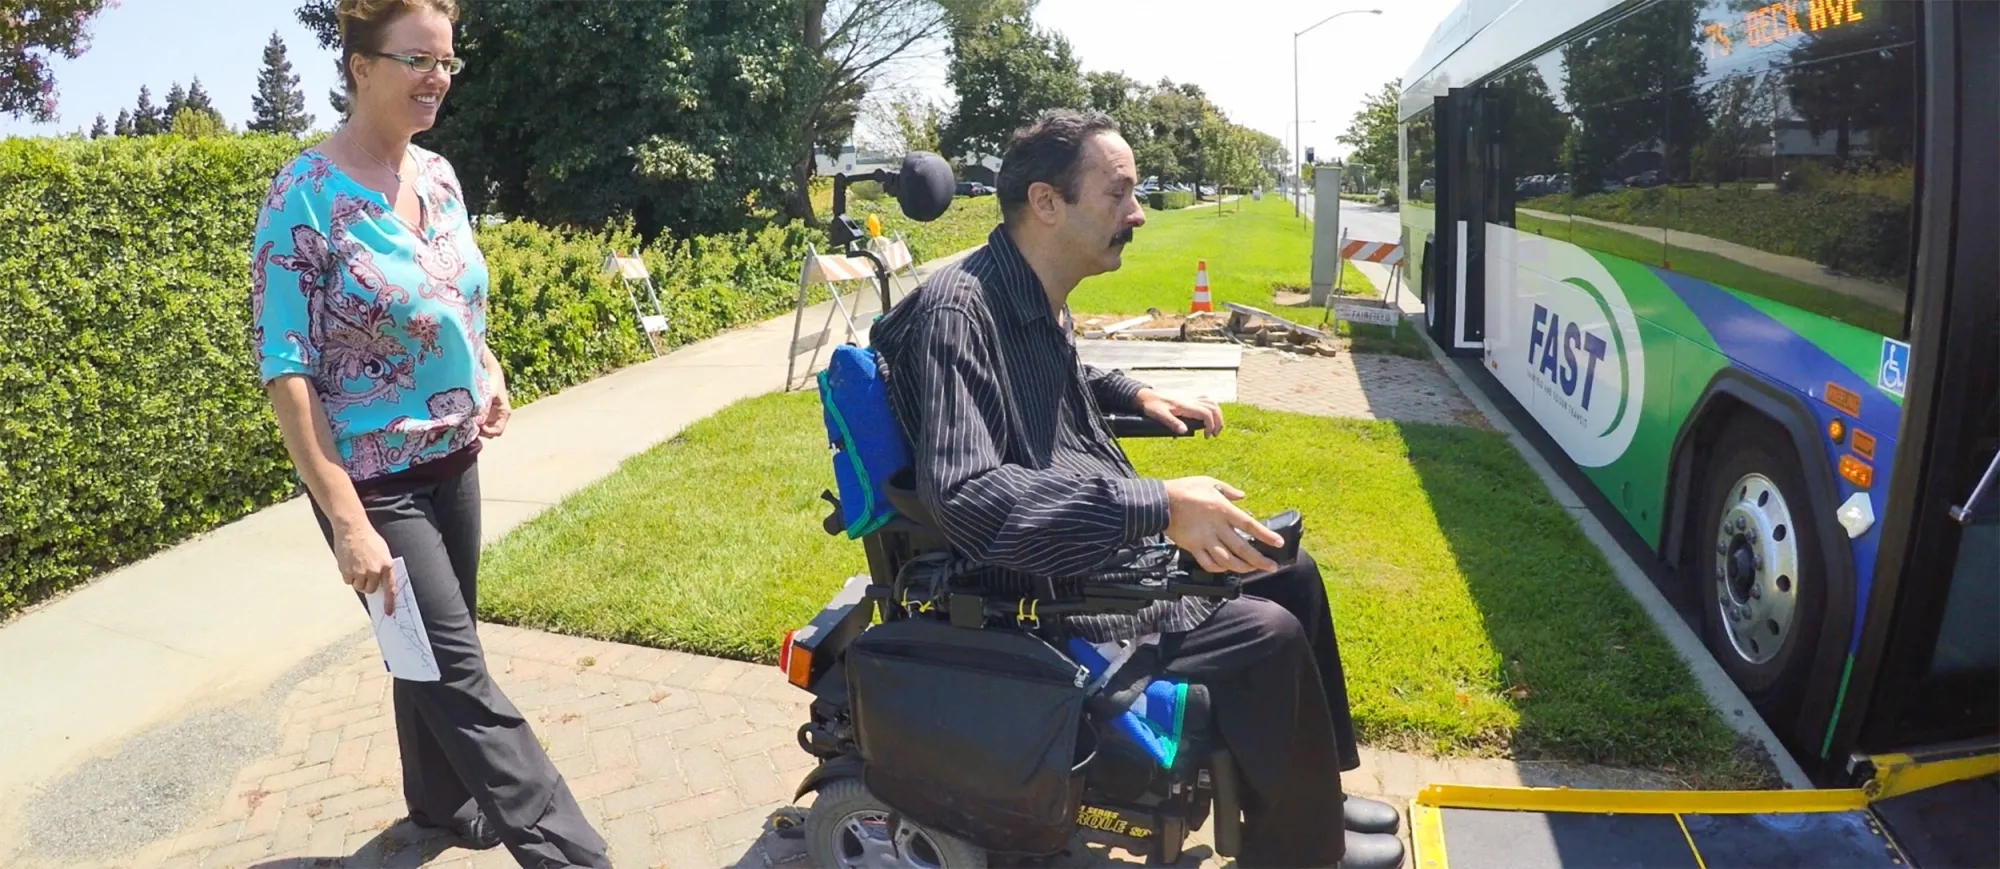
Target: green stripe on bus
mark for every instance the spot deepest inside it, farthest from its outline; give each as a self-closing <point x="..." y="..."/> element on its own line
<point x="1838" y="700"/>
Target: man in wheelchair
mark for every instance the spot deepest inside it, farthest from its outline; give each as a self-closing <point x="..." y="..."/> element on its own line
<point x="1016" y="467"/>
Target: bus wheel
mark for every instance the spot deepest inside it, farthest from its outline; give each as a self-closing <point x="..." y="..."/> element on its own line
<point x="1760" y="570"/>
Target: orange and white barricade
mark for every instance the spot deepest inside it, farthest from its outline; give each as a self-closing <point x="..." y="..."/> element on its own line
<point x="843" y="274"/>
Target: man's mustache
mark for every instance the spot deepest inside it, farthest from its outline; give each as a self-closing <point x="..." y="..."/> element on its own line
<point x="1122" y="238"/>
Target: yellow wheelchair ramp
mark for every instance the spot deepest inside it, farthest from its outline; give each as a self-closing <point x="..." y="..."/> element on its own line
<point x="1552" y="828"/>
<point x="1916" y="812"/>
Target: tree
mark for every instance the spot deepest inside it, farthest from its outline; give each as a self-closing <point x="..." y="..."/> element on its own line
<point x="123" y="126"/>
<point x="197" y="99"/>
<point x="1172" y="151"/>
<point x="278" y="106"/>
<point x="31" y="32"/>
<point x="1006" y="72"/>
<point x="1537" y="128"/>
<point x="99" y="130"/>
<point x="1372" y="132"/>
<point x="683" y="116"/>
<point x="146" y="117"/>
<point x="1226" y="155"/>
<point x="322" y="18"/>
<point x="193" y="123"/>
<point x="1843" y="80"/>
<point x="851" y="41"/>
<point x="904" y="122"/>
<point x="176" y="100"/>
<point x="1624" y="83"/>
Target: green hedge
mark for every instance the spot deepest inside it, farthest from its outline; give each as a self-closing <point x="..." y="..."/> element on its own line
<point x="130" y="415"/>
<point x="1169" y="200"/>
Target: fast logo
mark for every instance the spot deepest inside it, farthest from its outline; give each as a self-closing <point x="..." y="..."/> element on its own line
<point x="1564" y="371"/>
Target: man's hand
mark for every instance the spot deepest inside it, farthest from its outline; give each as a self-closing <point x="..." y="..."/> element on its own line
<point x="1202" y="520"/>
<point x="1169" y="410"/>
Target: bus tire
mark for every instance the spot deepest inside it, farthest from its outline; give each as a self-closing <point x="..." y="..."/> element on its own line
<point x="1759" y="564"/>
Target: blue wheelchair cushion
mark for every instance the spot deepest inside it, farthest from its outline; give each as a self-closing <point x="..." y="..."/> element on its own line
<point x="868" y="445"/>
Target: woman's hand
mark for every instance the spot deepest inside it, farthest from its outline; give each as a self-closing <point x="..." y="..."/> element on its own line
<point x="365" y="563"/>
<point x="493" y="417"/>
<point x="361" y="553"/>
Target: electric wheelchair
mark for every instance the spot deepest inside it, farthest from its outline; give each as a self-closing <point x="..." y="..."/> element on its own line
<point x="1119" y="784"/>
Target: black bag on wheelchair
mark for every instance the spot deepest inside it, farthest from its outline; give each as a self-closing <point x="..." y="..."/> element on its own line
<point x="979" y="733"/>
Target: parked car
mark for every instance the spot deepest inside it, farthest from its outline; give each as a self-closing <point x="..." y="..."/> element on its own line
<point x="973" y="188"/>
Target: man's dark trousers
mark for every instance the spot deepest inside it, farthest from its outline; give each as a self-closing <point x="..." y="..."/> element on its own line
<point x="1272" y="667"/>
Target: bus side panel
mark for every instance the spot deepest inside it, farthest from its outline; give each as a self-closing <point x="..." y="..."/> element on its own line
<point x="1587" y="344"/>
<point x="1610" y="356"/>
<point x="1809" y="356"/>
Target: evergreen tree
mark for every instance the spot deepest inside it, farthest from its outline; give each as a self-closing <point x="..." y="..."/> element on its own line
<point x="99" y="130"/>
<point x="197" y="99"/>
<point x="124" y="125"/>
<point x="146" y="117"/>
<point x="278" y="106"/>
<point x="176" y="100"/>
<point x="338" y="99"/>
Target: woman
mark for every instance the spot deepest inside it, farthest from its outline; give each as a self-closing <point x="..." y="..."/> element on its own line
<point x="369" y="307"/>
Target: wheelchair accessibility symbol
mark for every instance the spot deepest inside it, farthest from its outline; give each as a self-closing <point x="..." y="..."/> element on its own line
<point x="1894" y="372"/>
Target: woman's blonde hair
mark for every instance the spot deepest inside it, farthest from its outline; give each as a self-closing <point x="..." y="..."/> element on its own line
<point x="364" y="24"/>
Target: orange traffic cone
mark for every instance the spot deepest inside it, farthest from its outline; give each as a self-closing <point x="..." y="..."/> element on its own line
<point x="1200" y="288"/>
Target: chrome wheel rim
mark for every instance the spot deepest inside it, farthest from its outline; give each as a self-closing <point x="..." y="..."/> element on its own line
<point x="1756" y="568"/>
<point x="865" y="842"/>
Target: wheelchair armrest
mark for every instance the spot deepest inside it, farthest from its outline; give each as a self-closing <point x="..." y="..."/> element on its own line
<point x="1126" y="425"/>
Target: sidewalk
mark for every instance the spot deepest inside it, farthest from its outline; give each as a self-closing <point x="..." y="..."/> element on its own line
<point x="208" y="630"/>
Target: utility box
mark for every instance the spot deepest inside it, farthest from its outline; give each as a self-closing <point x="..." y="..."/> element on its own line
<point x="1326" y="232"/>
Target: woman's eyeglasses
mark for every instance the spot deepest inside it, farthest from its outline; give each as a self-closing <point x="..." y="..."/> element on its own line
<point x="425" y="62"/>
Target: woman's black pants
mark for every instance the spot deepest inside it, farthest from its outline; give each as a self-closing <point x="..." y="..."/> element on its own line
<point x="465" y="749"/>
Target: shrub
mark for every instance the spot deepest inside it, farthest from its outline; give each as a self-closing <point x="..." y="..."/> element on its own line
<point x="129" y="412"/>
<point x="130" y="415"/>
<point x="1169" y="200"/>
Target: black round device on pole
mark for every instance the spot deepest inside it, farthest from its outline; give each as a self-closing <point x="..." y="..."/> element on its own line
<point x="923" y="187"/>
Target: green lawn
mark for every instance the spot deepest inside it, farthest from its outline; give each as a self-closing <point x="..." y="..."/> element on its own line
<point x="1249" y="252"/>
<point x="1456" y="579"/>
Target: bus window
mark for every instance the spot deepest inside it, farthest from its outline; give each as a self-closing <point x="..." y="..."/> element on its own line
<point x="1539" y="129"/>
<point x="1798" y="180"/>
<point x="1620" y="80"/>
<point x="1420" y="158"/>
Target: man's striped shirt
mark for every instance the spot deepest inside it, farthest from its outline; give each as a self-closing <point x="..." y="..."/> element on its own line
<point x="1009" y="447"/>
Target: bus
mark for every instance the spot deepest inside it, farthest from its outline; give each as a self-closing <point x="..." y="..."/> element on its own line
<point x="1733" y="263"/>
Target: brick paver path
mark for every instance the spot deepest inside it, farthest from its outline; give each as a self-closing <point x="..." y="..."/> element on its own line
<point x="678" y="759"/>
<point x="1357" y="385"/>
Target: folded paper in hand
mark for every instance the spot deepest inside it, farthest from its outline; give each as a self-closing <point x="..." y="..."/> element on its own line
<point x="406" y="646"/>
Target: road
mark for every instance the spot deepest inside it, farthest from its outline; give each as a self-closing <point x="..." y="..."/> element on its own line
<point x="1366" y="222"/>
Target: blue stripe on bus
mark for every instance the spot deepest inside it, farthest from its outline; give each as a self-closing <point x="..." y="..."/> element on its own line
<point x="1754" y="342"/>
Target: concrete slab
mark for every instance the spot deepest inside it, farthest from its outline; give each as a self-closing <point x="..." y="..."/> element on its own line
<point x="1215" y="384"/>
<point x="1158" y="354"/>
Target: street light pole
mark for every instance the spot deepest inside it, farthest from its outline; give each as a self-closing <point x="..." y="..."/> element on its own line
<point x="1298" y="144"/>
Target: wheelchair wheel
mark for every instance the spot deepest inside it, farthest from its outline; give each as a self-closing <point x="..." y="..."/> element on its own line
<point x="848" y="828"/>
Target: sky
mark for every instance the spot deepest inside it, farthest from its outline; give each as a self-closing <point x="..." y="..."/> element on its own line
<point x="1242" y="59"/>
